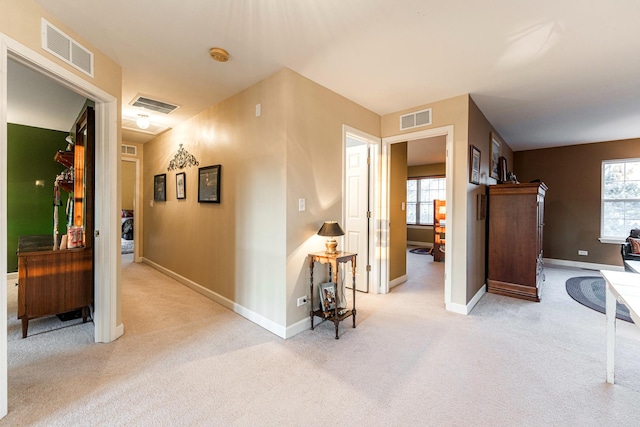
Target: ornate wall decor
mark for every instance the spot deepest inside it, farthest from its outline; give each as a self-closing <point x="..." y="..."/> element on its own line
<point x="182" y="160"/>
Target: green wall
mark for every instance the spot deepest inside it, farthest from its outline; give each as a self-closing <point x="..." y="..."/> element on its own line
<point x="29" y="206"/>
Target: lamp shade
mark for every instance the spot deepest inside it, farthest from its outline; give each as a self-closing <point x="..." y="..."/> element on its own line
<point x="330" y="229"/>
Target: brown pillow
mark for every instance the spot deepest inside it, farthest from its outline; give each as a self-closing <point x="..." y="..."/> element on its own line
<point x="635" y="245"/>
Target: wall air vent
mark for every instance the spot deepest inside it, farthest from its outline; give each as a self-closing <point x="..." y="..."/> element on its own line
<point x="153" y="105"/>
<point x="129" y="150"/>
<point x="65" y="48"/>
<point x="415" y="119"/>
<point x="129" y="123"/>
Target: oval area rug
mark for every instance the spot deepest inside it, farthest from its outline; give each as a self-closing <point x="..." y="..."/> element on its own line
<point x="590" y="292"/>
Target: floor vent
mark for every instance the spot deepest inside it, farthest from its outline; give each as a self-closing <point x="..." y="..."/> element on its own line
<point x="129" y="150"/>
<point x="64" y="47"/>
<point x="153" y="105"/>
<point x="415" y="119"/>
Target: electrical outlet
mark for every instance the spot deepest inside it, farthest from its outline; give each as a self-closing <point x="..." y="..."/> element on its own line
<point x="302" y="301"/>
<point x="585" y="253"/>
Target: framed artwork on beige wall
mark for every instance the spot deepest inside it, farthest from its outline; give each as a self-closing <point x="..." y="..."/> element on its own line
<point x="474" y="165"/>
<point x="495" y="156"/>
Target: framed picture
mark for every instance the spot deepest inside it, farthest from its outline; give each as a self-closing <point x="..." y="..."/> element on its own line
<point x="181" y="181"/>
<point x="209" y="184"/>
<point x="160" y="187"/>
<point x="474" y="165"/>
<point x="495" y="155"/>
<point x="327" y="297"/>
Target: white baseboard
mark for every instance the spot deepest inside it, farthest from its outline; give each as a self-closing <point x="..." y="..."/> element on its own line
<point x="583" y="265"/>
<point x="397" y="281"/>
<point x="466" y="309"/>
<point x="296" y="328"/>
<point x="256" y="318"/>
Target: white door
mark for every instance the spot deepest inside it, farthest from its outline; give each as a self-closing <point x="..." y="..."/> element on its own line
<point x="357" y="209"/>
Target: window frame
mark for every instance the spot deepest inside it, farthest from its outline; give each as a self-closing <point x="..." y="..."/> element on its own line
<point x="419" y="202"/>
<point x="603" y="237"/>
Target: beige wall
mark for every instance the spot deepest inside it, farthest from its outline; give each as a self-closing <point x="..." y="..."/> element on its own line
<point x="398" y="215"/>
<point x="251" y="248"/>
<point x="21" y="20"/>
<point x="572" y="203"/>
<point x="436" y="169"/>
<point x="128" y="184"/>
<point x="314" y="155"/>
<point x="454" y="112"/>
<point x="480" y="136"/>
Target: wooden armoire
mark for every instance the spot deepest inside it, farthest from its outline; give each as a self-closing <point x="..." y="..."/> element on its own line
<point x="516" y="222"/>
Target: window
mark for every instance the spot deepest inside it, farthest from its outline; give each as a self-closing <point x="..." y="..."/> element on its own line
<point x="421" y="192"/>
<point x="620" y="197"/>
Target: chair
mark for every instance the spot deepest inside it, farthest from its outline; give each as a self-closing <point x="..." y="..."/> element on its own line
<point x="627" y="251"/>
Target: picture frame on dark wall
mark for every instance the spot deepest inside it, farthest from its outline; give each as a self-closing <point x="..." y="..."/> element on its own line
<point x="160" y="187"/>
<point x="209" y="184"/>
<point x="495" y="155"/>
<point x="181" y="186"/>
<point x="474" y="165"/>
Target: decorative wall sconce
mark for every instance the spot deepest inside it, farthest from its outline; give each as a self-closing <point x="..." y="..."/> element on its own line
<point x="182" y="159"/>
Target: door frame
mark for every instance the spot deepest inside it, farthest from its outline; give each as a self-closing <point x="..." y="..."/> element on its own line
<point x="106" y="271"/>
<point x="137" y="207"/>
<point x="446" y="131"/>
<point x="374" y="201"/>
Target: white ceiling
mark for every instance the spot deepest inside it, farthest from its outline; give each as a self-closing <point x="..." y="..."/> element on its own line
<point x="545" y="73"/>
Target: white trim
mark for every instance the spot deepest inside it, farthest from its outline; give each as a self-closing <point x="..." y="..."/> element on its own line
<point x="612" y="240"/>
<point x="298" y="327"/>
<point x="583" y="265"/>
<point x="447" y="131"/>
<point x="254" y="317"/>
<point x="466" y="309"/>
<point x="375" y="240"/>
<point x="398" y="281"/>
<point x="4" y="386"/>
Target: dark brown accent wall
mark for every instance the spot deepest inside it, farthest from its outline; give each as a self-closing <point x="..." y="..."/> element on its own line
<point x="572" y="204"/>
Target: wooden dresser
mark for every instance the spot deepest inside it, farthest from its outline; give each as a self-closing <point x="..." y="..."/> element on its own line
<point x="516" y="221"/>
<point x="52" y="281"/>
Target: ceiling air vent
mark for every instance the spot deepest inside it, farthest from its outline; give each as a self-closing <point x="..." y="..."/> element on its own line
<point x="64" y="47"/>
<point x="153" y="105"/>
<point x="130" y="150"/>
<point x="415" y="119"/>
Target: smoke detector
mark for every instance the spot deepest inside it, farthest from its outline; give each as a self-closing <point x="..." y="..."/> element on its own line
<point x="219" y="54"/>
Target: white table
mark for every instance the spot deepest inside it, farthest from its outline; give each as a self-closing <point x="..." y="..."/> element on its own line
<point x="625" y="288"/>
<point x="634" y="265"/>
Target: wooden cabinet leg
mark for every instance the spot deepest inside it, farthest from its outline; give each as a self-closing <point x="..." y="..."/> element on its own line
<point x="85" y="311"/>
<point x="25" y="326"/>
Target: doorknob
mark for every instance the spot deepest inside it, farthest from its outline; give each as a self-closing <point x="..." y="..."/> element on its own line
<point x="97" y="233"/>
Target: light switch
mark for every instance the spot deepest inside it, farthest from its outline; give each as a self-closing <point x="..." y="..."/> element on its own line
<point x="258" y="110"/>
<point x="402" y="205"/>
<point x="151" y="203"/>
<point x="302" y="205"/>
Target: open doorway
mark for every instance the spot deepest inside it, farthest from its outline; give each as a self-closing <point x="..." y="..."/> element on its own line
<point x="426" y="205"/>
<point x="106" y="323"/>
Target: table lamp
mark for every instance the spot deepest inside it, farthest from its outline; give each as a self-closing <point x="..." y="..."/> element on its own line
<point x="331" y="229"/>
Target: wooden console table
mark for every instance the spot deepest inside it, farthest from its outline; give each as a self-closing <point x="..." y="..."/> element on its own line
<point x="334" y="261"/>
<point x="623" y="287"/>
<point x="51" y="281"/>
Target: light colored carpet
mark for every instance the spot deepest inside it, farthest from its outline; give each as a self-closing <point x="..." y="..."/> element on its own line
<point x="186" y="361"/>
<point x="126" y="246"/>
